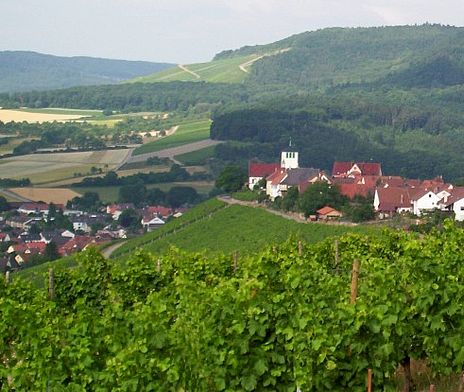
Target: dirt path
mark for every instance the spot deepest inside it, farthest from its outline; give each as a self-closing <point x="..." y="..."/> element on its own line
<point x="287" y="215"/>
<point x="248" y="63"/>
<point x="172" y="152"/>
<point x="243" y="66"/>
<point x="107" y="252"/>
<point x="184" y="68"/>
<point x="12" y="195"/>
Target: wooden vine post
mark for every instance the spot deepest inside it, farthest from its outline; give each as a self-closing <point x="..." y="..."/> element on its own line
<point x="369" y="380"/>
<point x="337" y="258"/>
<point x="51" y="284"/>
<point x="7" y="278"/>
<point x="354" y="281"/>
<point x="300" y="248"/>
<point x="158" y="265"/>
<point x="432" y="388"/>
<point x="235" y="261"/>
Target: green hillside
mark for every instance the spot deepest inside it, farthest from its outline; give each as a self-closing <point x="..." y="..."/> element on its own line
<point x="26" y="71"/>
<point x="222" y="228"/>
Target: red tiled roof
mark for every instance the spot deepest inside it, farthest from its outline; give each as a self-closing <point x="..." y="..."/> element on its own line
<point x="34" y="206"/>
<point x="392" y="198"/>
<point x="351" y="190"/>
<point x="327" y="210"/>
<point x="262" y="169"/>
<point x="341" y="168"/>
<point x="157" y="210"/>
<point x="456" y="194"/>
<point x="277" y="177"/>
<point x="370" y="169"/>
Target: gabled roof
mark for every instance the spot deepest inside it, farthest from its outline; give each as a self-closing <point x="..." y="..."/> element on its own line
<point x="277" y="177"/>
<point x="456" y="195"/>
<point x="300" y="175"/>
<point x="351" y="190"/>
<point x="392" y="198"/>
<point x="340" y="168"/>
<point x="327" y="210"/>
<point x="34" y="207"/>
<point x="262" y="169"/>
<point x="370" y="168"/>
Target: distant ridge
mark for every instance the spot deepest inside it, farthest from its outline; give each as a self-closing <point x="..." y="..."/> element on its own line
<point x="27" y="71"/>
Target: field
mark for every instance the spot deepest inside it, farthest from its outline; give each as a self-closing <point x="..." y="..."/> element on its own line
<point x="47" y="195"/>
<point x="196" y="158"/>
<point x="48" y="168"/>
<point x="232" y="228"/>
<point x="189" y="132"/>
<point x="219" y="71"/>
<point x="45" y="115"/>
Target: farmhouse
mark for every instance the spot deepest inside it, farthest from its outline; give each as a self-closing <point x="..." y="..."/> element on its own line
<point x="355" y="169"/>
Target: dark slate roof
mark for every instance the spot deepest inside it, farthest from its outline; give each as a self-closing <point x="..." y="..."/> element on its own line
<point x="300" y="175"/>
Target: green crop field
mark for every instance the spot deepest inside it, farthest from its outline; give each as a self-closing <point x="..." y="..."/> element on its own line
<point x="196" y="158"/>
<point x="219" y="71"/>
<point x="232" y="228"/>
<point x="77" y="112"/>
<point x="189" y="132"/>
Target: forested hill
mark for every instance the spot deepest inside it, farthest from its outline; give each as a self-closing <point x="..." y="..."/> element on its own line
<point x="420" y="55"/>
<point x="25" y="71"/>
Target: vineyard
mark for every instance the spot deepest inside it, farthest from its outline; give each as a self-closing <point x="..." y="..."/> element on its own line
<point x="295" y="316"/>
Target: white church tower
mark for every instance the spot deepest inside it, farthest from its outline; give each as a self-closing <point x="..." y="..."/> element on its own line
<point x="289" y="159"/>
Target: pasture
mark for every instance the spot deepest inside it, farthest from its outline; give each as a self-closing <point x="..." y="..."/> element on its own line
<point x="188" y="132"/>
<point x="196" y="158"/>
<point x="53" y="167"/>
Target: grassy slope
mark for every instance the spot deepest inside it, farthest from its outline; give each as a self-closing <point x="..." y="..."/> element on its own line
<point x="189" y="132"/>
<point x="231" y="228"/>
<point x="225" y="71"/>
<point x="196" y="158"/>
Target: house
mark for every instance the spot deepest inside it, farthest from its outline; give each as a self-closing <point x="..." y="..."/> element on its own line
<point x="85" y="222"/>
<point x="160" y="211"/>
<point x="22" y="221"/>
<point x="328" y="213"/>
<point x="151" y="222"/>
<point x="390" y="200"/>
<point x="33" y="208"/>
<point x="455" y="203"/>
<point x="258" y="171"/>
<point x="273" y="189"/>
<point x="23" y="252"/>
<point x="354" y="169"/>
<point x="115" y="210"/>
<point x="423" y="200"/>
<point x="5" y="237"/>
<point x="75" y="244"/>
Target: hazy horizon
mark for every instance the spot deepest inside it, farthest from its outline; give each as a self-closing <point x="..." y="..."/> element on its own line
<point x="181" y="31"/>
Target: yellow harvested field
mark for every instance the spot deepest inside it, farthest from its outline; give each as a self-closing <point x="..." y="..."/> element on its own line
<point x="47" y="195"/>
<point x="45" y="168"/>
<point x="7" y="115"/>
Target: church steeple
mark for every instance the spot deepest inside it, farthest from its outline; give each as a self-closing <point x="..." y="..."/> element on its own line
<point x="289" y="158"/>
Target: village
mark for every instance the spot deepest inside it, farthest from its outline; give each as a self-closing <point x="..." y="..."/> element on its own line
<point x="392" y="195"/>
<point x="33" y="232"/>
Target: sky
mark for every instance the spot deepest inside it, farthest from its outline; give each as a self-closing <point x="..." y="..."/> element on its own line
<point x="188" y="31"/>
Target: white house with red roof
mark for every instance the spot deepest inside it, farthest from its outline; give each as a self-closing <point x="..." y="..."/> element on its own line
<point x="258" y="171"/>
<point x="115" y="210"/>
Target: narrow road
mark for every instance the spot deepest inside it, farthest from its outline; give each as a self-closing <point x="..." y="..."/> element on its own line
<point x="184" y="68"/>
<point x="248" y="63"/>
<point x="172" y="152"/>
<point x="107" y="252"/>
<point x="12" y="195"/>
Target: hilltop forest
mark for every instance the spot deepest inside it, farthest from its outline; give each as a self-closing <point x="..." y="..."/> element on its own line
<point x="389" y="94"/>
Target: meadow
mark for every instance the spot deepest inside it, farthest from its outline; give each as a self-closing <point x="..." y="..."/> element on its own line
<point x="188" y="132"/>
<point x="196" y="158"/>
